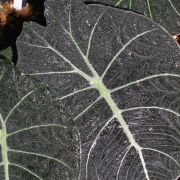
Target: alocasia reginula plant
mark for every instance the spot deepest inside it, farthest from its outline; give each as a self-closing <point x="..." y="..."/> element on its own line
<point x="113" y="80"/>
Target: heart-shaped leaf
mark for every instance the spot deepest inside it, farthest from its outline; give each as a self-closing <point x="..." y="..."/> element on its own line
<point x="164" y="12"/>
<point x="36" y="135"/>
<point x="117" y="74"/>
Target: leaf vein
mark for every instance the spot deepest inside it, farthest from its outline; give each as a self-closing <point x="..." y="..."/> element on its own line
<point x="161" y="152"/>
<point x="144" y="79"/>
<point x="25" y="169"/>
<point x="75" y="92"/>
<point x="34" y="127"/>
<point x="123" y="48"/>
<point x="41" y="155"/>
<point x="17" y="105"/>
<point x="94" y="143"/>
<point x="87" y="108"/>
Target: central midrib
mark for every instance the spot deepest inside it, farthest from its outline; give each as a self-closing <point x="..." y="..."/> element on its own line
<point x="105" y="93"/>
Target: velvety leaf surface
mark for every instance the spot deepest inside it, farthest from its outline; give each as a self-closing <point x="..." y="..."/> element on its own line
<point x="36" y="135"/>
<point x="164" y="12"/>
<point x="118" y="75"/>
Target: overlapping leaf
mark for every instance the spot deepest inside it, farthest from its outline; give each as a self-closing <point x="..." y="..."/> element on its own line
<point x="117" y="74"/>
<point x="164" y="12"/>
<point x="36" y="135"/>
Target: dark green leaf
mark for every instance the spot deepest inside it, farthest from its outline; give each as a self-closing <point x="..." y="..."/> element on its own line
<point x="118" y="75"/>
<point x="36" y="135"/>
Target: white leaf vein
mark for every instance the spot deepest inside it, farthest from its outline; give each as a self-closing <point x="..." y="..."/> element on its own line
<point x="121" y="163"/>
<point x="94" y="143"/>
<point x="17" y="105"/>
<point x="151" y="107"/>
<point x="41" y="155"/>
<point x="161" y="152"/>
<point x="87" y="108"/>
<point x="75" y="92"/>
<point x="92" y="33"/>
<point x="25" y="169"/>
<point x="35" y="127"/>
<point x="144" y="79"/>
<point x="123" y="48"/>
<point x="52" y="73"/>
<point x="172" y="5"/>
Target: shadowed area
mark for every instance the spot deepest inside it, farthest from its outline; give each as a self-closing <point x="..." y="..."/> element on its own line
<point x="11" y="22"/>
